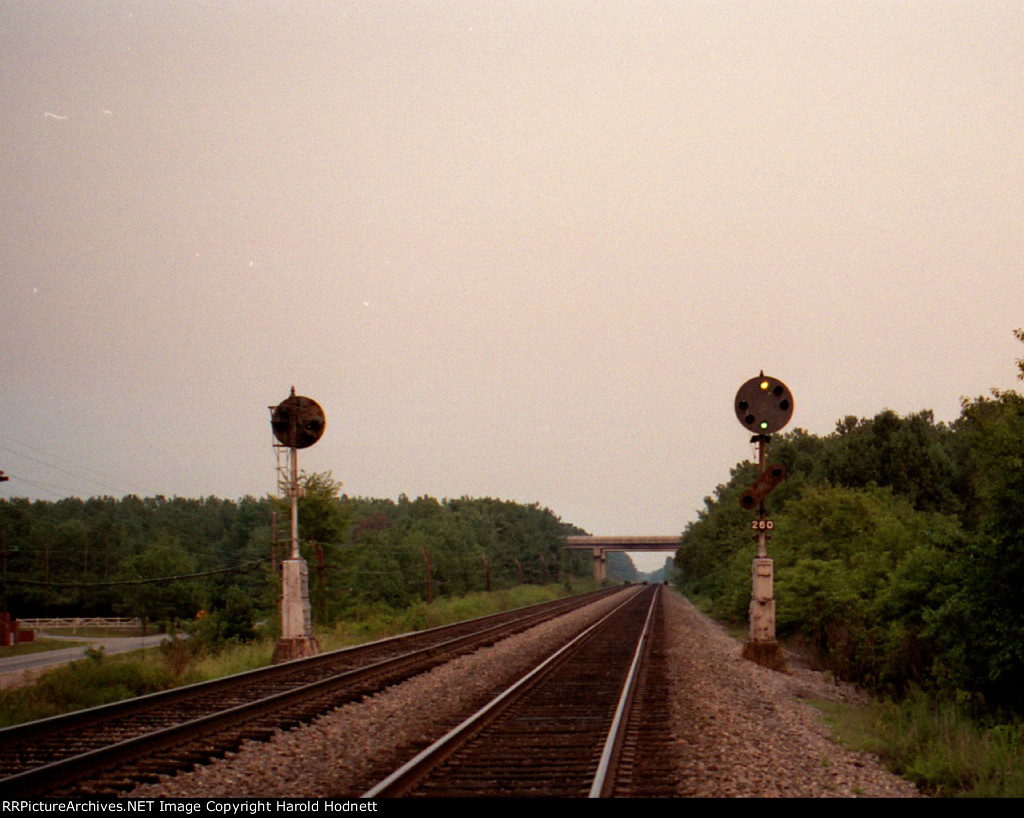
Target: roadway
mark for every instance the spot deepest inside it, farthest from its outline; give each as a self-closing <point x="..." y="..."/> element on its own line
<point x="16" y="669"/>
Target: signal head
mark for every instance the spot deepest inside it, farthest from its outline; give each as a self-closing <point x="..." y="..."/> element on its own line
<point x="764" y="405"/>
<point x="298" y="422"/>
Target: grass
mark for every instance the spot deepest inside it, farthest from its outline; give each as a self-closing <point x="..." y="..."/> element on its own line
<point x="939" y="746"/>
<point x="86" y="683"/>
<point x="379" y="622"/>
<point x="855" y="726"/>
<point x="936" y="744"/>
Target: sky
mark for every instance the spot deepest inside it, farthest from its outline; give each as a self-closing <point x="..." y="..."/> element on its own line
<point x="525" y="249"/>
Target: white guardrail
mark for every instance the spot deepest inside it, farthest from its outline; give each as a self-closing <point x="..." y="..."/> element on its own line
<point x="80" y="622"/>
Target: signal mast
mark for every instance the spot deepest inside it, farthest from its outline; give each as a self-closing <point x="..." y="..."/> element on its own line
<point x="298" y="422"/>
<point x="763" y="406"/>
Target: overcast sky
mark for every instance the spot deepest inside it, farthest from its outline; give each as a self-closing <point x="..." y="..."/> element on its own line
<point x="526" y="250"/>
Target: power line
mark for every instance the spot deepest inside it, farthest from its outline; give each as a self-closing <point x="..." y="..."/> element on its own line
<point x="238" y="569"/>
<point x="47" y="487"/>
<point x="57" y="459"/>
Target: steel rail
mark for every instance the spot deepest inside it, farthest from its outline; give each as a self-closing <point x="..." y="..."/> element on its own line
<point x="408" y="775"/>
<point x="33" y="730"/>
<point x="604" y="778"/>
<point x="41" y="778"/>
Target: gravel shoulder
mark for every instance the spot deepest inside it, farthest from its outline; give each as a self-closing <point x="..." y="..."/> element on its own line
<point x="745" y="731"/>
<point x="741" y="730"/>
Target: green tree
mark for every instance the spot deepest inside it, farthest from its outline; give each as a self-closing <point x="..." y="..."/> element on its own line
<point x="984" y="618"/>
<point x="177" y="595"/>
<point x="862" y="544"/>
<point x="324" y="520"/>
<point x="859" y="575"/>
<point x="232" y="622"/>
<point x="1019" y="335"/>
<point x="716" y="545"/>
<point x="913" y="455"/>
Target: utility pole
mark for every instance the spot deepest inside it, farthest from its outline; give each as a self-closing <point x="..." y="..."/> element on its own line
<point x="4" y="608"/>
<point x="426" y="560"/>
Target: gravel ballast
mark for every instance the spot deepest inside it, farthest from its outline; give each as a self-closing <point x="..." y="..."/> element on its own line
<point x="740" y="729"/>
<point x="745" y="731"/>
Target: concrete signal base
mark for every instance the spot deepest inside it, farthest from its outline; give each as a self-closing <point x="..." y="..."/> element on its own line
<point x="297" y="640"/>
<point x="287" y="649"/>
<point x="766" y="654"/>
<point x="762" y="647"/>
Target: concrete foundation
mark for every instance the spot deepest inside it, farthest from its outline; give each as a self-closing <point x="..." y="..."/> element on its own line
<point x="762" y="647"/>
<point x="762" y="602"/>
<point x="287" y="649"/>
<point x="766" y="654"/>
<point x="296" y="617"/>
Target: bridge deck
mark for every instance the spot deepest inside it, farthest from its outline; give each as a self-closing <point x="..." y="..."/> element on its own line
<point x="585" y="543"/>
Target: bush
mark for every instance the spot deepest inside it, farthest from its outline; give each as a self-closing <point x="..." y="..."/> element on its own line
<point x="87" y="683"/>
<point x="938" y="745"/>
<point x="234" y="623"/>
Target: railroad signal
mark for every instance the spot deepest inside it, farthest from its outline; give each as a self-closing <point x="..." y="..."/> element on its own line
<point x="298" y="422"/>
<point x="769" y="479"/>
<point x="764" y="404"/>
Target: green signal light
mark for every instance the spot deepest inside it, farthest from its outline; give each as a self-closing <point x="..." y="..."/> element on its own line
<point x="764" y="405"/>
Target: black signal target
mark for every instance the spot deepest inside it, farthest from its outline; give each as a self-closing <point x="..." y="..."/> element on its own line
<point x="298" y="422"/>
<point x="764" y="404"/>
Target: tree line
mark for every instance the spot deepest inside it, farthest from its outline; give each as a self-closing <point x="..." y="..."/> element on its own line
<point x="169" y="559"/>
<point x="898" y="549"/>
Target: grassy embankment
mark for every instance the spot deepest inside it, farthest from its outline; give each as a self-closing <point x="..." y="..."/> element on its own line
<point x="936" y="744"/>
<point x="100" y="679"/>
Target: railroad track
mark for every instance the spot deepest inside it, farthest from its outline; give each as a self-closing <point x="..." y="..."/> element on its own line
<point x="575" y="726"/>
<point x="109" y="749"/>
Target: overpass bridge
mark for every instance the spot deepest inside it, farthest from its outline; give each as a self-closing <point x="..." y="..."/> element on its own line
<point x="600" y="546"/>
